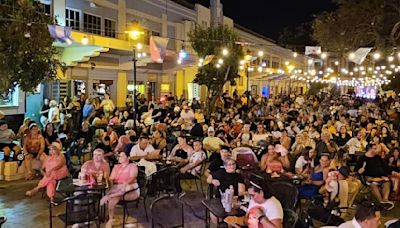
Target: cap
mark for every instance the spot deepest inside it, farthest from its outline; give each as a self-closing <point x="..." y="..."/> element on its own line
<point x="239" y="121"/>
<point x="210" y="129"/>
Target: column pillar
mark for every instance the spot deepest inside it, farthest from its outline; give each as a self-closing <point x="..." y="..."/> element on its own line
<point x="122" y="83"/>
<point x="121" y="25"/>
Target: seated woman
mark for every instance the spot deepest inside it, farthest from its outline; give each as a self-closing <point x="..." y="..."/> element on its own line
<point x="34" y="146"/>
<point x="158" y="140"/>
<point x="50" y="136"/>
<point x="316" y="178"/>
<point x="264" y="210"/>
<point x="123" y="179"/>
<point x="273" y="154"/>
<point x="181" y="151"/>
<point x="306" y="162"/>
<point x="97" y="167"/>
<point x="223" y="178"/>
<point x="54" y="168"/>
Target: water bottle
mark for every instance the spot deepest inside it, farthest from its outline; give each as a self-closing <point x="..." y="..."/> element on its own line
<point x="164" y="153"/>
<point x="229" y="199"/>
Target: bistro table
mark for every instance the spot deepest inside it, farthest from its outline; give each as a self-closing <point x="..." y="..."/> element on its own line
<point x="215" y="207"/>
<point x="68" y="188"/>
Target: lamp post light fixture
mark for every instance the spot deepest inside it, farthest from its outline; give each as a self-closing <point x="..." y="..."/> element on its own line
<point x="135" y="33"/>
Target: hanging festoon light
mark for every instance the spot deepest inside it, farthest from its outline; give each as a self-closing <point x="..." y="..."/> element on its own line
<point x="324" y="55"/>
<point x="225" y="52"/>
<point x="390" y="59"/>
<point x="260" y="53"/>
<point x="376" y="56"/>
<point x="352" y="56"/>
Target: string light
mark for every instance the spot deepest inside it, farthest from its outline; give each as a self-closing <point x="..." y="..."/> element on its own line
<point x="225" y="52"/>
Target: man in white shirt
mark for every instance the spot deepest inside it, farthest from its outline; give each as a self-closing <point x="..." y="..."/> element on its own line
<point x="367" y="215"/>
<point x="356" y="144"/>
<point x="141" y="150"/>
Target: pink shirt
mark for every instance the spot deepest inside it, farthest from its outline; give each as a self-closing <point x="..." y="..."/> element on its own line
<point x="122" y="175"/>
<point x="90" y="167"/>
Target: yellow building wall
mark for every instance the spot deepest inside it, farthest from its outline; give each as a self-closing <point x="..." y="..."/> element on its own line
<point x="183" y="77"/>
<point x="122" y="84"/>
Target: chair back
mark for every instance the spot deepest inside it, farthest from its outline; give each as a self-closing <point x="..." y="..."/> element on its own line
<point x="84" y="207"/>
<point x="166" y="178"/>
<point x="286" y="193"/>
<point x="167" y="211"/>
<point x="247" y="159"/>
<point x="3" y="220"/>
<point x="289" y="218"/>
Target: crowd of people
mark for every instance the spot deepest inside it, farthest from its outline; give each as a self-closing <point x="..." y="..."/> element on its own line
<point x="334" y="144"/>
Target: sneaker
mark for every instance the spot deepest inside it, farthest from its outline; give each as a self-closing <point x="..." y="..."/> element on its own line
<point x="182" y="194"/>
<point x="387" y="205"/>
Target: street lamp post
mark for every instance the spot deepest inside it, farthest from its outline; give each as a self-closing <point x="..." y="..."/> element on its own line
<point x="135" y="107"/>
<point x="134" y="34"/>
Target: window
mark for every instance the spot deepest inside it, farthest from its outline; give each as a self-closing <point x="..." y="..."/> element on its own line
<point x="275" y="64"/>
<point x="72" y="19"/>
<point x="44" y="8"/>
<point x="147" y="34"/>
<point x="109" y="28"/>
<point x="92" y="24"/>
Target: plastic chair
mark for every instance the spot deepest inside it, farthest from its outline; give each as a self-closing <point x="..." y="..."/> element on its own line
<point x="248" y="160"/>
<point x="166" y="212"/>
<point x="82" y="208"/>
<point x="142" y="182"/>
<point x="286" y="193"/>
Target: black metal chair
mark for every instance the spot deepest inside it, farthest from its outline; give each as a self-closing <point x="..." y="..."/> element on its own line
<point x="164" y="180"/>
<point x="286" y="193"/>
<point x="290" y="218"/>
<point x="197" y="178"/>
<point x="164" y="212"/>
<point x="143" y="183"/>
<point x="2" y="220"/>
<point x="82" y="208"/>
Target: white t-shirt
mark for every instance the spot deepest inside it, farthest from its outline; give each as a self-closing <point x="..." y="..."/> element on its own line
<point x="136" y="151"/>
<point x="301" y="162"/>
<point x="272" y="208"/>
<point x="195" y="157"/>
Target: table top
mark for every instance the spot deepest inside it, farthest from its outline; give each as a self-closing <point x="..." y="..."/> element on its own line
<point x="215" y="207"/>
<point x="70" y="187"/>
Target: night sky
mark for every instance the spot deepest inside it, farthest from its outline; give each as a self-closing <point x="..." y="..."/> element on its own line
<point x="269" y="17"/>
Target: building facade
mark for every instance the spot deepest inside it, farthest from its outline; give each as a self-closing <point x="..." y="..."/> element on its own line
<point x="99" y="59"/>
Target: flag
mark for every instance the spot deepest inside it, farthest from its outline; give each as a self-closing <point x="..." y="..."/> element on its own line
<point x="158" y="48"/>
<point x="360" y="55"/>
<point x="208" y="59"/>
<point x="313" y="50"/>
<point x="60" y="33"/>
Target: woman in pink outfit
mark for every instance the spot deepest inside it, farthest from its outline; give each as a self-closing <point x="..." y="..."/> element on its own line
<point x="98" y="166"/>
<point x="54" y="168"/>
<point x="123" y="178"/>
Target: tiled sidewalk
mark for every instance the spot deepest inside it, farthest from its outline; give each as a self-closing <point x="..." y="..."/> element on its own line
<point x="33" y="212"/>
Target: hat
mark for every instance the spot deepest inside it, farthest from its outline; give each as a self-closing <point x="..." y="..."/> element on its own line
<point x="211" y="129"/>
<point x="344" y="171"/>
<point x="220" y="132"/>
<point x="239" y="121"/>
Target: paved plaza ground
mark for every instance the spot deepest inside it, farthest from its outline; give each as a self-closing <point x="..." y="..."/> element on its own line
<point x="33" y="212"/>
